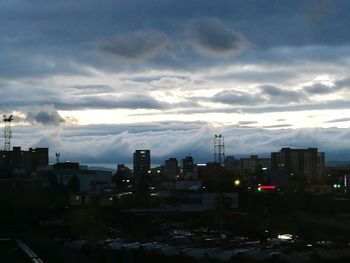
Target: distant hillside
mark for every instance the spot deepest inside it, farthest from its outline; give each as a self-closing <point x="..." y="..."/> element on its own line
<point x="338" y="163"/>
<point x="101" y="168"/>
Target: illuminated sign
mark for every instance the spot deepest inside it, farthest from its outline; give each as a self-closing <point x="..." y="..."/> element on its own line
<point x="266" y="187"/>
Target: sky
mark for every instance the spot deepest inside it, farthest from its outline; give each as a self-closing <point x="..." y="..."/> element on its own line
<point x="96" y="79"/>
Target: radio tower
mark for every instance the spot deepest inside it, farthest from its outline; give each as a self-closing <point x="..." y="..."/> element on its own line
<point x="219" y="149"/>
<point x="7" y="133"/>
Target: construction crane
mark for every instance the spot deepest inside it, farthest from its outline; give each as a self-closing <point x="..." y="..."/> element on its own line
<point x="7" y="133"/>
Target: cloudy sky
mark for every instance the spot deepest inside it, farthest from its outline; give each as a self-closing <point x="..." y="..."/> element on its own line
<point x="97" y="79"/>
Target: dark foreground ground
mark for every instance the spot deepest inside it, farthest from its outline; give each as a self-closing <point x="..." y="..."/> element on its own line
<point x="266" y="228"/>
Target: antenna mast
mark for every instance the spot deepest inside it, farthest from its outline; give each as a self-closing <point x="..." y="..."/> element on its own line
<point x="58" y="157"/>
<point x="219" y="149"/>
<point x="8" y="133"/>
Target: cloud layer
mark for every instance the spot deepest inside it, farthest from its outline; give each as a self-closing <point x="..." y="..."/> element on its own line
<point x="118" y="75"/>
<point x="116" y="143"/>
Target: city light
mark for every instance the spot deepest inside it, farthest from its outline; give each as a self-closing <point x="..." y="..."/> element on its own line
<point x="285" y="236"/>
<point x="268" y="187"/>
<point x="237" y="182"/>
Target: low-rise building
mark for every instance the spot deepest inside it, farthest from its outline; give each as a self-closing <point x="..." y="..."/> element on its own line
<point x="20" y="162"/>
<point x="89" y="180"/>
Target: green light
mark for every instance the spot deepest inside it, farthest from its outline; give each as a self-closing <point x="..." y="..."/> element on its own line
<point x="259" y="189"/>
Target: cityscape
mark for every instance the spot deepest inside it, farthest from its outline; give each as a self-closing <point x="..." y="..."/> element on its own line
<point x="192" y="131"/>
<point x="284" y="208"/>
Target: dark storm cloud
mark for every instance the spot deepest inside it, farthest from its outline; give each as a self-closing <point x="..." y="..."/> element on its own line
<point x="47" y="118"/>
<point x="343" y="83"/>
<point x="134" y="45"/>
<point x="319" y="88"/>
<point x="43" y="38"/>
<point x="20" y="94"/>
<point x="266" y="94"/>
<point x="213" y="37"/>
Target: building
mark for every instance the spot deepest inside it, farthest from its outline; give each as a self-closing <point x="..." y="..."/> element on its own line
<point x="142" y="163"/>
<point x="188" y="167"/>
<point x="231" y="163"/>
<point x="303" y="165"/>
<point x="123" y="171"/>
<point x="171" y="168"/>
<point x="89" y="181"/>
<point x="19" y="162"/>
<point x="251" y="164"/>
<point x="339" y="177"/>
<point x="210" y="171"/>
<point x="321" y="166"/>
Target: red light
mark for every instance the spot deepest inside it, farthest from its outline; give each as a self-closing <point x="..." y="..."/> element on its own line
<point x="267" y="187"/>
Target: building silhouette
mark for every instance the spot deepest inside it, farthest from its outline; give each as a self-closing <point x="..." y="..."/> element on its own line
<point x="78" y="178"/>
<point x="142" y="163"/>
<point x="231" y="163"/>
<point x="188" y="167"/>
<point x="303" y="165"/>
<point x="19" y="162"/>
<point x="171" y="168"/>
<point x="253" y="163"/>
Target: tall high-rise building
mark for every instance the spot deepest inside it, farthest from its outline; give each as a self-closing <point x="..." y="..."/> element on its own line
<point x="142" y="163"/>
<point x="305" y="165"/>
<point x="171" y="168"/>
